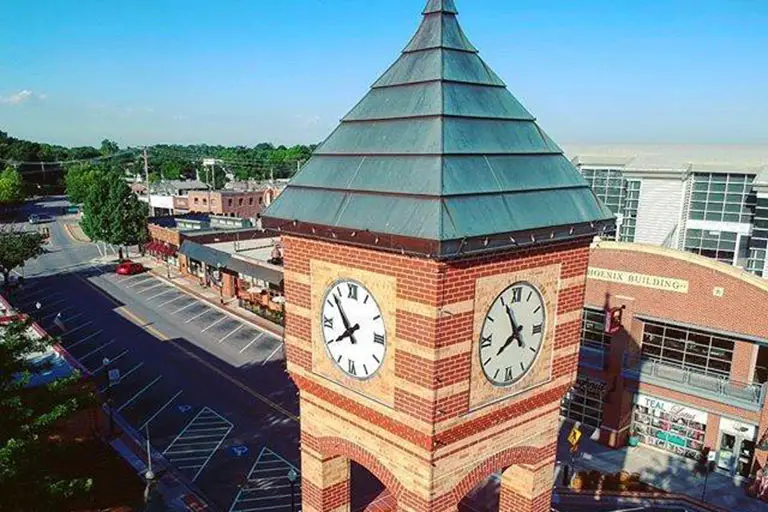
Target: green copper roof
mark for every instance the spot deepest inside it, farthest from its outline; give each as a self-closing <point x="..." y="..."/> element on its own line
<point x="439" y="151"/>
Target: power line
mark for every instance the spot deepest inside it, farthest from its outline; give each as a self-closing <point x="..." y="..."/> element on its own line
<point x="69" y="162"/>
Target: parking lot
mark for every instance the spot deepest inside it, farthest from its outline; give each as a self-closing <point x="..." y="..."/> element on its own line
<point x="208" y="388"/>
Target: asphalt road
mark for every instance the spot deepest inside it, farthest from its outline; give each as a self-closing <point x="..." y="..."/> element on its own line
<point x="211" y="390"/>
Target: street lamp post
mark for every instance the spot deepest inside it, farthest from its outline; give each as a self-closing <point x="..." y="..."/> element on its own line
<point x="221" y="284"/>
<point x="292" y="475"/>
<point x="112" y="376"/>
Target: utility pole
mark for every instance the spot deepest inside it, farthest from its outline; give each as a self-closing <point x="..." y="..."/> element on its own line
<point x="149" y="187"/>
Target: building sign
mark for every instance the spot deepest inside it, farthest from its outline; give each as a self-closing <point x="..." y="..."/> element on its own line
<point x="737" y="428"/>
<point x="633" y="279"/>
<point x="675" y="411"/>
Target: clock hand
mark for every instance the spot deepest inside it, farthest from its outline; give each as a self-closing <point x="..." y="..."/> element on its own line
<point x="348" y="333"/>
<point x="515" y="336"/>
<point x="511" y="318"/>
<point x="345" y="321"/>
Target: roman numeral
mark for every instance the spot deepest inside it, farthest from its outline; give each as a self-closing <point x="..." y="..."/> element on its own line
<point x="508" y="374"/>
<point x="378" y="338"/>
<point x="352" y="291"/>
<point x="327" y="322"/>
<point x="351" y="367"/>
<point x="485" y="342"/>
<point x="537" y="328"/>
<point x="517" y="294"/>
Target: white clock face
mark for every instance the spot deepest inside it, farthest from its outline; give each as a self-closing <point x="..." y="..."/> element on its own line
<point x="512" y="335"/>
<point x="353" y="329"/>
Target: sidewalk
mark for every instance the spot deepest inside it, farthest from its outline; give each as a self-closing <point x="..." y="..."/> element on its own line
<point x="192" y="287"/>
<point x="663" y="471"/>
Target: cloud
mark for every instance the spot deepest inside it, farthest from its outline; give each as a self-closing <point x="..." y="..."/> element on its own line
<point x="21" y="97"/>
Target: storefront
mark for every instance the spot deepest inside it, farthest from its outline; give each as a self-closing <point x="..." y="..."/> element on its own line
<point x="736" y="447"/>
<point x="163" y="251"/>
<point x="584" y="402"/>
<point x="259" y="289"/>
<point x="669" y="426"/>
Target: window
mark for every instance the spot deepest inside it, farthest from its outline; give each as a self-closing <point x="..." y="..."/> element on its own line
<point x="584" y="402"/>
<point x="620" y="195"/>
<point x="719" y="245"/>
<point x="676" y="434"/>
<point x="240" y="202"/>
<point x="250" y="200"/>
<point x="261" y="200"/>
<point x="205" y="201"/>
<point x="195" y="200"/>
<point x="593" y="333"/>
<point x="699" y="351"/>
<point x="629" y="211"/>
<point x="722" y="198"/>
<point x="229" y="202"/>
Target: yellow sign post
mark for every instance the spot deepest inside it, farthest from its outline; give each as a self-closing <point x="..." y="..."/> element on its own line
<point x="574" y="436"/>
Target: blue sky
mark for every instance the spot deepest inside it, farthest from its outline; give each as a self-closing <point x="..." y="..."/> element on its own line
<point x="245" y="71"/>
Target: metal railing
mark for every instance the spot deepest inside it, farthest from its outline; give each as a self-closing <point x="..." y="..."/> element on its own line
<point x="722" y="389"/>
<point x="593" y="357"/>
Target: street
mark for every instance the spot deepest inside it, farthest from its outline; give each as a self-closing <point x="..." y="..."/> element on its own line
<point x="209" y="389"/>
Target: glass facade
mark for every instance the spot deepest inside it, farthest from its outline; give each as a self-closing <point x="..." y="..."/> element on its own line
<point x="719" y="245"/>
<point x="618" y="194"/>
<point x="593" y="333"/>
<point x="691" y="349"/>
<point x="584" y="402"/>
<point x="722" y="198"/>
<point x="758" y="248"/>
<point x="673" y="433"/>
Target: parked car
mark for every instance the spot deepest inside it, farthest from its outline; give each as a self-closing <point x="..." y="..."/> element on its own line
<point x="129" y="268"/>
<point x="34" y="219"/>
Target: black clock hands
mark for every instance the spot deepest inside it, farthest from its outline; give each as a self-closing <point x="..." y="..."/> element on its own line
<point x="348" y="330"/>
<point x="516" y="330"/>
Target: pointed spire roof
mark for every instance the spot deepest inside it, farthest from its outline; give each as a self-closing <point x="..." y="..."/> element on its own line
<point x="439" y="159"/>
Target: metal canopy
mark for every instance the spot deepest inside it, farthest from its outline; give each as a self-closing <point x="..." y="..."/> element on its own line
<point x="439" y="159"/>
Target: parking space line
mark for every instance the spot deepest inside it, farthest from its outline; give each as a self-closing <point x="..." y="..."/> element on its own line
<point x="137" y="395"/>
<point x="28" y="302"/>
<point x="80" y="342"/>
<point x="49" y="315"/>
<point x="279" y="346"/>
<point x="223" y="317"/>
<point x="170" y="289"/>
<point x="151" y="287"/>
<point x="47" y="305"/>
<point x="128" y="278"/>
<point x="181" y="295"/>
<point x="254" y="340"/>
<point x="174" y="397"/>
<point x="132" y="285"/>
<point x="182" y="446"/>
<point x="99" y="349"/>
<point x="199" y="315"/>
<point x="266" y="484"/>
<point x="86" y="324"/>
<point x="185" y="307"/>
<point x="231" y="333"/>
<point x="111" y="361"/>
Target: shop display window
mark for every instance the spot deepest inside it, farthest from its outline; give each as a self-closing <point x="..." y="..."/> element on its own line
<point x="681" y="436"/>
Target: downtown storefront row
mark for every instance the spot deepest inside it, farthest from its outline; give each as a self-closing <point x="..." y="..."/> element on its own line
<point x="685" y="371"/>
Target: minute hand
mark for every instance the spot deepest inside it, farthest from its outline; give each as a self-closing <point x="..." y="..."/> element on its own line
<point x="345" y="321"/>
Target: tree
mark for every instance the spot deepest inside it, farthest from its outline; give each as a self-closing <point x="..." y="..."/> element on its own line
<point x="112" y="213"/>
<point x="17" y="247"/>
<point x="29" y="480"/>
<point x="11" y="186"/>
<point x="109" y="147"/>
<point x="79" y="180"/>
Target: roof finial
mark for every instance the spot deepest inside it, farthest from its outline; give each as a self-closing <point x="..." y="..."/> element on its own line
<point x="446" y="6"/>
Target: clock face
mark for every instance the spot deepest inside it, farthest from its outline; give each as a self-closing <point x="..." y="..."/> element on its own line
<point x="512" y="335"/>
<point x="353" y="329"/>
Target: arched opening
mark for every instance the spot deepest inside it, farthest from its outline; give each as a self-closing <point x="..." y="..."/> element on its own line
<point x="366" y="489"/>
<point x="484" y="497"/>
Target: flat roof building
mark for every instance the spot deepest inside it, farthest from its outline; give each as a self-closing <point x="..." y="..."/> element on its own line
<point x="708" y="200"/>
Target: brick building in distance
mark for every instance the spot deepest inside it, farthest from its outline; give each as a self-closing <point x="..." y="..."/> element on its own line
<point x="245" y="204"/>
<point x="435" y="252"/>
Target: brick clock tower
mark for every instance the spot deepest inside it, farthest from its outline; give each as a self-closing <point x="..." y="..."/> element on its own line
<point x="436" y="250"/>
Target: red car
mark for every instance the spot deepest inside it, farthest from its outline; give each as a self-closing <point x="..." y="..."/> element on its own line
<point x="129" y="268"/>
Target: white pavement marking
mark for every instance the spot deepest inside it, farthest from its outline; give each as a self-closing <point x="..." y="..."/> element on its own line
<point x="223" y="317"/>
<point x="128" y="278"/>
<point x="181" y="295"/>
<point x="161" y="293"/>
<point x="80" y="342"/>
<point x="279" y="346"/>
<point x="198" y="315"/>
<point x="137" y="283"/>
<point x="254" y="340"/>
<point x="174" y="397"/>
<point x="182" y="445"/>
<point x="98" y="349"/>
<point x="186" y="307"/>
<point x="124" y="376"/>
<point x="135" y="396"/>
<point x="231" y="333"/>
<point x="73" y="317"/>
<point x="49" y="315"/>
<point x="46" y="305"/>
<point x="151" y="287"/>
<point x="86" y="324"/>
<point x="111" y="361"/>
<point x="266" y="486"/>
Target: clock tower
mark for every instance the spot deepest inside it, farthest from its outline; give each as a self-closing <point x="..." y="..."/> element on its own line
<point x="436" y="250"/>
